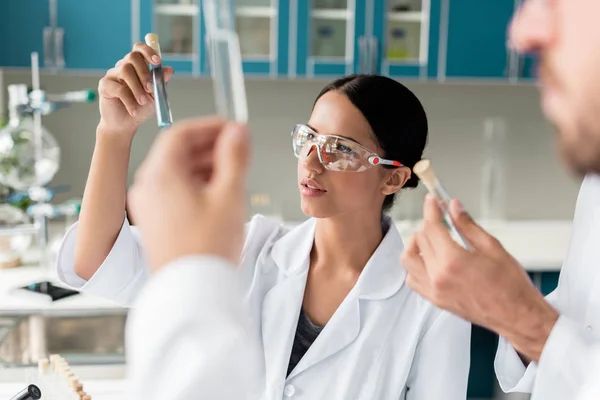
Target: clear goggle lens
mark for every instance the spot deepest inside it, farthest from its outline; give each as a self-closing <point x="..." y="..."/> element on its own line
<point x="335" y="153"/>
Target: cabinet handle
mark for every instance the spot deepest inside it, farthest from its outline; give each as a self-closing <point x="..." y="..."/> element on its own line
<point x="59" y="39"/>
<point x="373" y="54"/>
<point x="509" y="55"/>
<point x="48" y="47"/>
<point x="363" y="61"/>
<point x="521" y="66"/>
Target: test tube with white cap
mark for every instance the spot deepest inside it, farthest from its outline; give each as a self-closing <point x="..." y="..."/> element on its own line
<point x="426" y="174"/>
<point x="163" y="110"/>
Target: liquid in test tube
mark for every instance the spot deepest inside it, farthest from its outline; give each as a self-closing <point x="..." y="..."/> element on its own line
<point x="163" y="111"/>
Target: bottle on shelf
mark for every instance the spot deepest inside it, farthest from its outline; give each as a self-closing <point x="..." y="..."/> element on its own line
<point x="397" y="48"/>
<point x="325" y="46"/>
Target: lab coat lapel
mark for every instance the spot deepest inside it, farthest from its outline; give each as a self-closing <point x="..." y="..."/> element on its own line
<point x="381" y="278"/>
<point x="281" y="304"/>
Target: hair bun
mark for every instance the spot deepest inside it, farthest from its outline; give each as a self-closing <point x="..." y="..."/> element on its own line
<point x="412" y="182"/>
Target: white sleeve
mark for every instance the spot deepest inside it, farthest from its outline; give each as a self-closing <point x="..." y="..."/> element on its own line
<point x="566" y="361"/>
<point x="190" y="337"/>
<point x="511" y="373"/>
<point x="121" y="275"/>
<point x="442" y="361"/>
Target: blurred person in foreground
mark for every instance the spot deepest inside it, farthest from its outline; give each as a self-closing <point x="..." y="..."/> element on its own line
<point x="195" y="172"/>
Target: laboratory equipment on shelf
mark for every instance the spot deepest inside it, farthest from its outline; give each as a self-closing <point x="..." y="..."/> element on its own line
<point x="425" y="172"/>
<point x="225" y="60"/>
<point x="164" y="118"/>
<point x="30" y="155"/>
<point x="493" y="174"/>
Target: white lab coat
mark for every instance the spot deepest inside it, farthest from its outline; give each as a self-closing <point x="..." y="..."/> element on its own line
<point x="590" y="389"/>
<point x="210" y="353"/>
<point x="565" y="357"/>
<point x="384" y="342"/>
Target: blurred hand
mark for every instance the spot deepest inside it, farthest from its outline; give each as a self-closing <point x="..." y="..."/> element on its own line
<point x="188" y="197"/>
<point x="126" y="98"/>
<point x="486" y="286"/>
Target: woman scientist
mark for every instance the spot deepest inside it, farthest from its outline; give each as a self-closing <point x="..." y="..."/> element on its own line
<point x="328" y="297"/>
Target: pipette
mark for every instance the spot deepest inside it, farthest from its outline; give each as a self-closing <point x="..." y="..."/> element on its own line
<point x="163" y="110"/>
<point x="225" y="60"/>
<point x="425" y="172"/>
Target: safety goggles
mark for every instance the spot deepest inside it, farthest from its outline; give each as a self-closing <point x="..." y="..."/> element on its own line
<point x="335" y="153"/>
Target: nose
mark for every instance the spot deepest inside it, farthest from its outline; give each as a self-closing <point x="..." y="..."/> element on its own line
<point x="531" y="28"/>
<point x="311" y="162"/>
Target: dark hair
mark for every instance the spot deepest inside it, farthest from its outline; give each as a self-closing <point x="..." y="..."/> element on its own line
<point x="395" y="115"/>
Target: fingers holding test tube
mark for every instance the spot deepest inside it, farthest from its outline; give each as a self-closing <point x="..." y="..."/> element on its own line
<point x="471" y="275"/>
<point x="164" y="118"/>
<point x="126" y="95"/>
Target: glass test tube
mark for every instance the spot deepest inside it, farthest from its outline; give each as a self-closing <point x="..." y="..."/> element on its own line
<point x="225" y="60"/>
<point x="163" y="110"/>
<point x="427" y="175"/>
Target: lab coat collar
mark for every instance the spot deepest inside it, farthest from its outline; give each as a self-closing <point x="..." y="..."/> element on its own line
<point x="381" y="278"/>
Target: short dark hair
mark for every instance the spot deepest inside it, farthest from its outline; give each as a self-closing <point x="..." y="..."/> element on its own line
<point x="395" y="114"/>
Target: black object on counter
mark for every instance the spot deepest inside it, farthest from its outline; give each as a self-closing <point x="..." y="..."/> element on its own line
<point x="31" y="392"/>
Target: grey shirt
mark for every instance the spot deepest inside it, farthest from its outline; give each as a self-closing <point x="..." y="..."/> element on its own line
<point x="306" y="334"/>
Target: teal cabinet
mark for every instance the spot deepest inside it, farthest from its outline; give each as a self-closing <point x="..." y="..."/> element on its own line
<point x="477" y="39"/>
<point x="327" y="37"/>
<point x="407" y="34"/>
<point x="549" y="282"/>
<point x="425" y="39"/>
<point x="22" y="24"/>
<point x="397" y="38"/>
<point x="477" y="42"/>
<point x="66" y="34"/>
<point x="262" y="27"/>
<point x="95" y="34"/>
<point x="177" y="24"/>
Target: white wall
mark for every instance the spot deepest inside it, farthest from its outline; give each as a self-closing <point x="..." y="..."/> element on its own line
<point x="538" y="186"/>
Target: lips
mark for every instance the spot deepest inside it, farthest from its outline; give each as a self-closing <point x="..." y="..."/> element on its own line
<point x="311" y="184"/>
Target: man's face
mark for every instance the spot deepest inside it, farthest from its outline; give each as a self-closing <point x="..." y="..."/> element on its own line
<point x="566" y="35"/>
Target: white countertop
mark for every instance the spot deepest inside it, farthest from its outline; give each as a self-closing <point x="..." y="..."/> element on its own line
<point x="101" y="382"/>
<point x="539" y="245"/>
<point x="16" y="302"/>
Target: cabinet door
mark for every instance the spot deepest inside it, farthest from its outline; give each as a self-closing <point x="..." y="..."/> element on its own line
<point x="477" y="38"/>
<point x="407" y="33"/>
<point x="328" y="33"/>
<point x="549" y="282"/>
<point x="96" y="33"/>
<point x="22" y="24"/>
<point x="177" y="24"/>
<point x="263" y="31"/>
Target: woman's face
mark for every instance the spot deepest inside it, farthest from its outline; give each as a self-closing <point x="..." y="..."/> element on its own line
<point x="341" y="192"/>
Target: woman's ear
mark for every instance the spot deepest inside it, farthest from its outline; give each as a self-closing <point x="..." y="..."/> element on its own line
<point x="396" y="179"/>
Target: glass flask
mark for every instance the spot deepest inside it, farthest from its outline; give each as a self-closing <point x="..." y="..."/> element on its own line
<point x="24" y="163"/>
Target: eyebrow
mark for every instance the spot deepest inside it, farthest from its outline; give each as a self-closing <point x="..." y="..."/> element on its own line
<point x="345" y="137"/>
